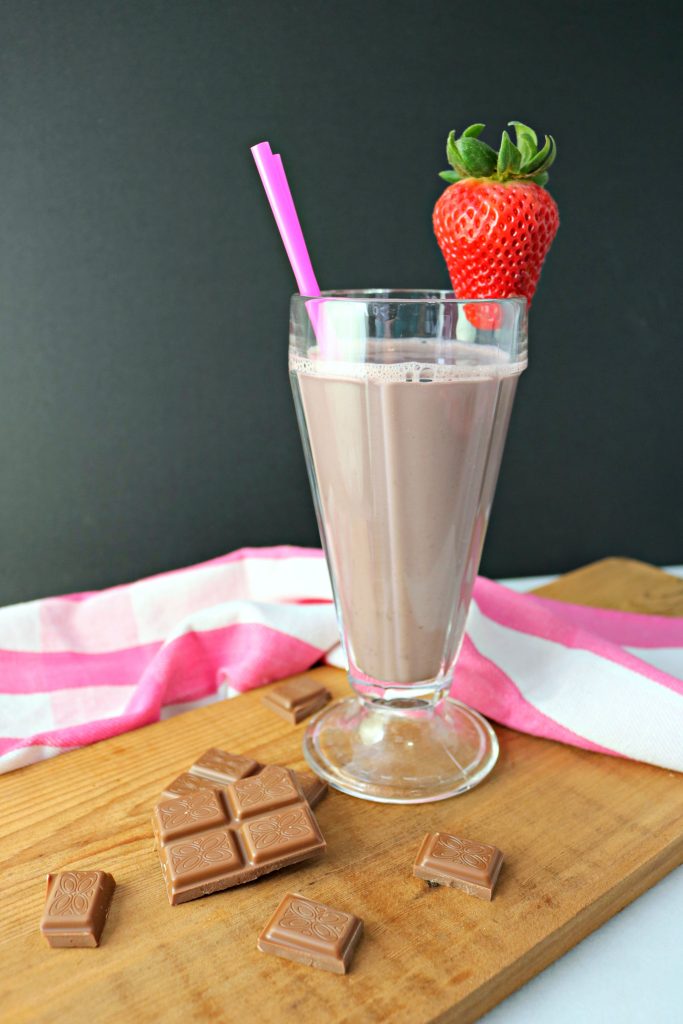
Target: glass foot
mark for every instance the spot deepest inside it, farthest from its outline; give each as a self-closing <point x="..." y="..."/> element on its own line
<point x="402" y="752"/>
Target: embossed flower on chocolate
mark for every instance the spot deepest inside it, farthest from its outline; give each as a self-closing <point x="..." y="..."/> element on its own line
<point x="269" y="831"/>
<point x="269" y="785"/>
<point x="73" y="894"/>
<point x="461" y="852"/>
<point x="314" y="919"/>
<point x="212" y="849"/>
<point x="196" y="807"/>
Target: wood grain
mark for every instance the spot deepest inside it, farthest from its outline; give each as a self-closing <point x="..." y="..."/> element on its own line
<point x="621" y="583"/>
<point x="583" y="835"/>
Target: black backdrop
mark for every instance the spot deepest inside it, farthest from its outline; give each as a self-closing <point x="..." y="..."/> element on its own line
<point x="145" y="414"/>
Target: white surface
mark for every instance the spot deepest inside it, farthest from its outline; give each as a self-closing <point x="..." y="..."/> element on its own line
<point x="627" y="972"/>
<point x="630" y="971"/>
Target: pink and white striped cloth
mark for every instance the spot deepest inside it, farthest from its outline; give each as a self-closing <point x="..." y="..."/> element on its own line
<point x="80" y="668"/>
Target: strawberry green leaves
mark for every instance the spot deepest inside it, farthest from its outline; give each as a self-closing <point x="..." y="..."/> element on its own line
<point x="527" y="143"/>
<point x="478" y="158"/>
<point x="469" y="157"/>
<point x="454" y="157"/>
<point x="474" y="131"/>
<point x="451" y="176"/>
<point x="514" y="161"/>
<point x="509" y="158"/>
<point x="541" y="160"/>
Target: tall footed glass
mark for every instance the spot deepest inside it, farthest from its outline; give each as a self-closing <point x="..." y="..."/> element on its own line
<point x="403" y="400"/>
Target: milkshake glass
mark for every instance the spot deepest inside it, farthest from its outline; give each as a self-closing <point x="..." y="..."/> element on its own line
<point x="403" y="400"/>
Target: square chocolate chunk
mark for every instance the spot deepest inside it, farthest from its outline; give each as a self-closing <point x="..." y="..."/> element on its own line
<point x="178" y="817"/>
<point x="206" y="859"/>
<point x="272" y="788"/>
<point x="281" y="834"/>
<point x="297" y="698"/>
<point x="221" y="767"/>
<point x="76" y="907"/>
<point x="460" y="863"/>
<point x="311" y="933"/>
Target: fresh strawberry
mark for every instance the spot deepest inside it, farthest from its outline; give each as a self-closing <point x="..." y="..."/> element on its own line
<point x="496" y="221"/>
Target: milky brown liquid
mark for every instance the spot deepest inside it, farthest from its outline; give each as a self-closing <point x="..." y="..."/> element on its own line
<point x="405" y="472"/>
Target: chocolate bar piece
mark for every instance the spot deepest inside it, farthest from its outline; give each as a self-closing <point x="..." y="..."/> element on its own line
<point x="460" y="863"/>
<point x="220" y="768"/>
<point x="311" y="933"/>
<point x="313" y="788"/>
<point x="214" y="839"/>
<point x="76" y="907"/>
<point x="187" y="783"/>
<point x="297" y="698"/>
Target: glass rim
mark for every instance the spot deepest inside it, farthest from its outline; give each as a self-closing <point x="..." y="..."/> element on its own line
<point x="424" y="296"/>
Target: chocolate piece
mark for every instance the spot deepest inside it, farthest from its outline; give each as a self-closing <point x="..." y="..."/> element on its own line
<point x="311" y="933"/>
<point x="187" y="783"/>
<point x="314" y="789"/>
<point x="297" y="698"/>
<point x="223" y="768"/>
<point x="214" y="839"/>
<point x="184" y="815"/>
<point x="262" y="793"/>
<point x="76" y="907"/>
<point x="447" y="860"/>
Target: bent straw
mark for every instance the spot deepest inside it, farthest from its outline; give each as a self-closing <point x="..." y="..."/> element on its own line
<point x="271" y="170"/>
<point x="274" y="180"/>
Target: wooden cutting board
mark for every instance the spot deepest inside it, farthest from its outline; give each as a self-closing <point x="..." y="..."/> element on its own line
<point x="583" y="834"/>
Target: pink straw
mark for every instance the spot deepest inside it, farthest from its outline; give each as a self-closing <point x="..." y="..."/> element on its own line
<point x="274" y="180"/>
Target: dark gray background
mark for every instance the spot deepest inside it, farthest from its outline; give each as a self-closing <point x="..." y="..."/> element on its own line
<point x="145" y="414"/>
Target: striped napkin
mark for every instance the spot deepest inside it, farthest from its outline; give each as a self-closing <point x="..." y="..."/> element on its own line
<point x="81" y="668"/>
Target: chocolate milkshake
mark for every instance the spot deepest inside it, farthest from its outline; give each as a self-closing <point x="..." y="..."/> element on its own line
<point x="404" y="456"/>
